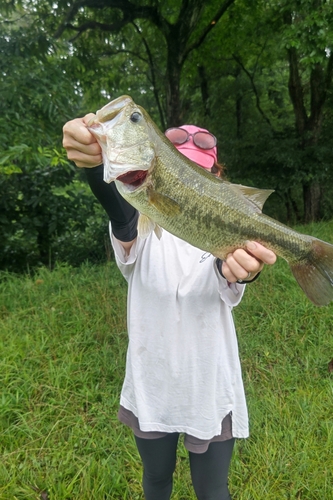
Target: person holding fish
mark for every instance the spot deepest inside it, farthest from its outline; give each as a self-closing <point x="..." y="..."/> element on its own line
<point x="183" y="373"/>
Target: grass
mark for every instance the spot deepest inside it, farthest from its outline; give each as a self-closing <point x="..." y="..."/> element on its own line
<point x="63" y="345"/>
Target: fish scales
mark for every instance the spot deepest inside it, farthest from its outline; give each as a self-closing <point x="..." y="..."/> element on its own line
<point x="210" y="223"/>
<point x="173" y="193"/>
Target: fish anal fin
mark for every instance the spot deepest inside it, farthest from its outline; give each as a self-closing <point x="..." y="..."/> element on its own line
<point x="164" y="204"/>
<point x="158" y="231"/>
<point x="255" y="196"/>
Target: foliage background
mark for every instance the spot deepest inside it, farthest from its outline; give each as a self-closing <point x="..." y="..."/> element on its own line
<point x="256" y="73"/>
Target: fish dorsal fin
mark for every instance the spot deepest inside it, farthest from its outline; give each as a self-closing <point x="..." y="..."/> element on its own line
<point x="146" y="225"/>
<point x="163" y="204"/>
<point x="256" y="196"/>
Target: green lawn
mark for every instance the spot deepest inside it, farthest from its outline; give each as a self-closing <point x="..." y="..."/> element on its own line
<point x="63" y="345"/>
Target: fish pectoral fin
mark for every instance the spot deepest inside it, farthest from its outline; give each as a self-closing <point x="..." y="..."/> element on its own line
<point x="145" y="226"/>
<point x="163" y="204"/>
<point x="255" y="196"/>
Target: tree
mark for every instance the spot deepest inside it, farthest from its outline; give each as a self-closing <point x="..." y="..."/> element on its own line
<point x="39" y="200"/>
<point x="307" y="28"/>
<point x="183" y="27"/>
<point x="225" y="66"/>
<point x="278" y="70"/>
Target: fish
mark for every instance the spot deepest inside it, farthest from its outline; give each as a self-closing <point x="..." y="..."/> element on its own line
<point x="175" y="194"/>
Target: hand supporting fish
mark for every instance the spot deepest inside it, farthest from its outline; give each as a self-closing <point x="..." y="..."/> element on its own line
<point x="216" y="216"/>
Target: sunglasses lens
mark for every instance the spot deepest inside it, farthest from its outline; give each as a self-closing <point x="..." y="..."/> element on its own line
<point x="176" y="135"/>
<point x="204" y="140"/>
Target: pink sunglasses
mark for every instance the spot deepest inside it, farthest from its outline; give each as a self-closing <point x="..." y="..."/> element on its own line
<point x="203" y="140"/>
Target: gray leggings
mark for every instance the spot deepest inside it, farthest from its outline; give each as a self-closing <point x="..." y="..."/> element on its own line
<point x="209" y="470"/>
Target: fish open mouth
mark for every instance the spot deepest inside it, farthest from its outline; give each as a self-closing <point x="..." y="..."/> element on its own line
<point x="134" y="178"/>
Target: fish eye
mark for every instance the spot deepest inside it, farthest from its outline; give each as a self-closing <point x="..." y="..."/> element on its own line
<point x="135" y="117"/>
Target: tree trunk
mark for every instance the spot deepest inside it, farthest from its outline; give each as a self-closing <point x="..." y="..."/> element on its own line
<point x="293" y="214"/>
<point x="179" y="47"/>
<point x="308" y="127"/>
<point x="204" y="88"/>
<point x="308" y="122"/>
<point x="173" y="103"/>
<point x="44" y="245"/>
<point x="311" y="197"/>
<point x="239" y="105"/>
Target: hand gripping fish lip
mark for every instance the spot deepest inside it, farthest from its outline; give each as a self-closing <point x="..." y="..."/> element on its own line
<point x="128" y="162"/>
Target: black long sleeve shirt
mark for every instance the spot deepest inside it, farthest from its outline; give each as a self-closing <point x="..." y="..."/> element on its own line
<point x="122" y="215"/>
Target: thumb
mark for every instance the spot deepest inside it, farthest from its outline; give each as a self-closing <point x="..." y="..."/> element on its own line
<point x="87" y="118"/>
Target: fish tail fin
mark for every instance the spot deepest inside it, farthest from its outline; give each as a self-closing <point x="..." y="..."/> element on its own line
<point x="315" y="274"/>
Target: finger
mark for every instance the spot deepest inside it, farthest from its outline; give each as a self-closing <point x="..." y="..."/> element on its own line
<point x="81" y="146"/>
<point x="227" y="273"/>
<point x="76" y="131"/>
<point x="260" y="252"/>
<point x="82" y="159"/>
<point x="242" y="258"/>
<point x="73" y="145"/>
<point x="243" y="265"/>
<point x="88" y="118"/>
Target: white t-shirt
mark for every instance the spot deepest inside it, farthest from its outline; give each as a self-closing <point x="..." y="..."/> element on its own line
<point x="183" y="372"/>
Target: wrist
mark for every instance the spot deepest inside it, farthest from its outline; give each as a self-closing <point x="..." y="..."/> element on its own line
<point x="244" y="282"/>
<point x="219" y="264"/>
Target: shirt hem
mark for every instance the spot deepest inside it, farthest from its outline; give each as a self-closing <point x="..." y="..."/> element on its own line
<point x="152" y="427"/>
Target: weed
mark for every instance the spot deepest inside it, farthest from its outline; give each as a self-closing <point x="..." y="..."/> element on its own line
<point x="63" y="345"/>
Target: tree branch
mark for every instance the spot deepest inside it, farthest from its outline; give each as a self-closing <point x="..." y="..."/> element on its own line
<point x="110" y="28"/>
<point x="109" y="52"/>
<point x="153" y="76"/>
<point x="69" y="16"/>
<point x="254" y="88"/>
<point x="129" y="10"/>
<point x="329" y="72"/>
<point x="296" y="92"/>
<point x="295" y="86"/>
<point x="208" y="28"/>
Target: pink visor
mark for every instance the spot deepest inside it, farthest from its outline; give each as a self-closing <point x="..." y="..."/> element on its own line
<point x="206" y="155"/>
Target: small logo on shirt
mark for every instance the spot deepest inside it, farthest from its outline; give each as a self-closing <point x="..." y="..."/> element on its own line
<point x="204" y="257"/>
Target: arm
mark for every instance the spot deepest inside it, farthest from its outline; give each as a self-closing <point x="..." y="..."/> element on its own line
<point x="122" y="215"/>
<point x="83" y="149"/>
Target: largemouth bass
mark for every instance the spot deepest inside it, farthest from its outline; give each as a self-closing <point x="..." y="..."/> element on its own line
<point x="173" y="193"/>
